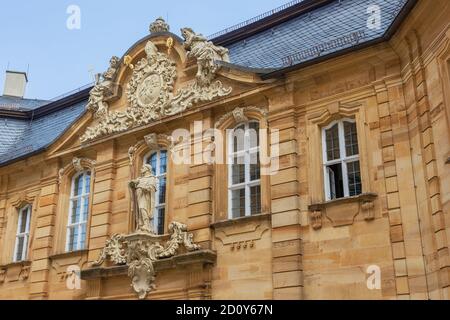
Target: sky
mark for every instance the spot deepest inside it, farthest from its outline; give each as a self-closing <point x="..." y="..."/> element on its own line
<point x="34" y="36"/>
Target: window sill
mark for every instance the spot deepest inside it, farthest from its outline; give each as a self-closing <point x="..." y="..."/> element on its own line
<point x="343" y="211"/>
<point x="25" y="263"/>
<point x="70" y="254"/>
<point x="235" y="221"/>
<point x="15" y="271"/>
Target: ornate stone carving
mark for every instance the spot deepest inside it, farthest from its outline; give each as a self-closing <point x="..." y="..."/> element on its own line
<point x="143" y="192"/>
<point x="2" y="275"/>
<point x="316" y="219"/>
<point x="150" y="95"/>
<point x="102" y="89"/>
<point x="159" y="25"/>
<point x="140" y="250"/>
<point x="239" y="115"/>
<point x="367" y="209"/>
<point x="24" y="273"/>
<point x="206" y="54"/>
<point x="78" y="164"/>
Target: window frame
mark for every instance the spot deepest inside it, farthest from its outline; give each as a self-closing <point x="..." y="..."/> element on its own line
<point x="157" y="194"/>
<point x="248" y="183"/>
<point x="343" y="158"/>
<point x="84" y="195"/>
<point x="25" y="235"/>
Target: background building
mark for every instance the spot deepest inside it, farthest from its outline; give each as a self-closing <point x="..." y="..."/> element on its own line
<point x="358" y="93"/>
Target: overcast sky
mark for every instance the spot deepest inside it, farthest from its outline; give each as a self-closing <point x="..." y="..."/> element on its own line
<point x="34" y="34"/>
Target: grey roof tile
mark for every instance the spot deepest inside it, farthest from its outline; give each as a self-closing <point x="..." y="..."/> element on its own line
<point x="333" y="27"/>
<point x="21" y="137"/>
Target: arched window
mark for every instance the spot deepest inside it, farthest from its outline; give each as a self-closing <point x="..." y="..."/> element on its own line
<point x="78" y="212"/>
<point x="23" y="234"/>
<point x="341" y="160"/>
<point x="244" y="177"/>
<point x="158" y="161"/>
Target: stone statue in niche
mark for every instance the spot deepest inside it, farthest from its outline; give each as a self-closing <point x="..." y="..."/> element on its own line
<point x="206" y="54"/>
<point x="143" y="191"/>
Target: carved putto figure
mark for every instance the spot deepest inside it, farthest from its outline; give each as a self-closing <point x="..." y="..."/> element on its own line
<point x="206" y="54"/>
<point x="143" y="192"/>
<point x="102" y="88"/>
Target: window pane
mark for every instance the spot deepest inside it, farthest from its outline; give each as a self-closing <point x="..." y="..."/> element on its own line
<point x="335" y="181"/>
<point x="351" y="139"/>
<point x="163" y="161"/>
<point x="78" y="186"/>
<point x="255" y="200"/>
<point x="20" y="248"/>
<point x="73" y="235"/>
<point x="354" y="178"/>
<point x="153" y="161"/>
<point x="86" y="208"/>
<point x="83" y="237"/>
<point x="87" y="182"/>
<point x="162" y="190"/>
<point x="253" y="134"/>
<point x="332" y="141"/>
<point x="75" y="215"/>
<point x="238" y="170"/>
<point x="160" y="220"/>
<point x="239" y="138"/>
<point x="238" y="203"/>
<point x="23" y="221"/>
<point x="255" y="173"/>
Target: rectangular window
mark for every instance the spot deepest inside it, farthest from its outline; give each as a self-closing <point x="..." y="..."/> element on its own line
<point x="341" y="160"/>
<point x="78" y="212"/>
<point x="23" y="234"/>
<point x="244" y="171"/>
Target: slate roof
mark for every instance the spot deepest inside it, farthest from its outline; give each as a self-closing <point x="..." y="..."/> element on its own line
<point x="29" y="126"/>
<point x="19" y="138"/>
<point x="333" y="27"/>
<point x="19" y="104"/>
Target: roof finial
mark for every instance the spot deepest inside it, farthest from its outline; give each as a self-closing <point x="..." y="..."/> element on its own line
<point x="159" y="25"/>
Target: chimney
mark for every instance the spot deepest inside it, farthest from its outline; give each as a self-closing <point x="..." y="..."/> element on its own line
<point x="15" y="83"/>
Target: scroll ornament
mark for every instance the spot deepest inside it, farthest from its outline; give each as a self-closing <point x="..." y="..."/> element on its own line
<point x="140" y="250"/>
<point x="150" y="91"/>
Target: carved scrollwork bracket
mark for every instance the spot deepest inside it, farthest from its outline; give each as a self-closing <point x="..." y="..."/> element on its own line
<point x="140" y="250"/>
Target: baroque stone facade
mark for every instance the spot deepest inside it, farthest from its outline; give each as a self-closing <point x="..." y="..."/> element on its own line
<point x="299" y="244"/>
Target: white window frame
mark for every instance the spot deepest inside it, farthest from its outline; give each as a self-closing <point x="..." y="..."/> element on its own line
<point x="85" y="194"/>
<point x="25" y="235"/>
<point x="343" y="159"/>
<point x="247" y="152"/>
<point x="159" y="176"/>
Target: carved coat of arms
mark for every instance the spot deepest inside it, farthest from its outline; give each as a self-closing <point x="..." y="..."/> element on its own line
<point x="150" y="92"/>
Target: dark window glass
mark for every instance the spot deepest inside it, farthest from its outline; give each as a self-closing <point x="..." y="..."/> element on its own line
<point x="351" y="139"/>
<point x="332" y="141"/>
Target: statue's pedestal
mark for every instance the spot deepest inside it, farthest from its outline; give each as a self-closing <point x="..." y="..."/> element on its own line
<point x="141" y="251"/>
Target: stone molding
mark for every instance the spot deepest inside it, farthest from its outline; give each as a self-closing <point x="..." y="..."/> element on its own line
<point x="77" y="165"/>
<point x="343" y="211"/>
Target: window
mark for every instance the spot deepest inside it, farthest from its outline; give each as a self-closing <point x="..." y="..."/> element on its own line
<point x="78" y="212"/>
<point x="244" y="186"/>
<point x="158" y="161"/>
<point x="341" y="160"/>
<point x="23" y="234"/>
